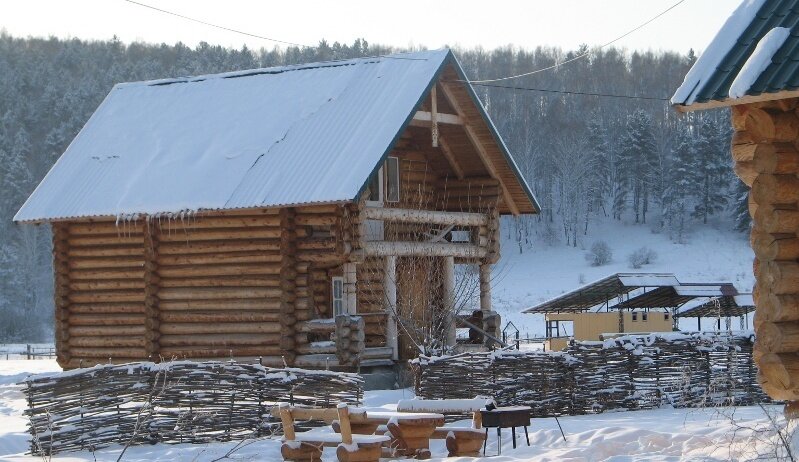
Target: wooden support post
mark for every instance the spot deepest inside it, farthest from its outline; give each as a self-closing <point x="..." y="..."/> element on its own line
<point x="152" y="315"/>
<point x="485" y="287"/>
<point x="449" y="299"/>
<point x="390" y="288"/>
<point x="350" y="288"/>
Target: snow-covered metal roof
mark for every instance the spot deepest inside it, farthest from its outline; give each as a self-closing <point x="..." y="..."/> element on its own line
<point x="280" y="136"/>
<point x="754" y="56"/>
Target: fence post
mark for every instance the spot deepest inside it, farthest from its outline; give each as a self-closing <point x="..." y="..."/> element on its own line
<point x="29" y="351"/>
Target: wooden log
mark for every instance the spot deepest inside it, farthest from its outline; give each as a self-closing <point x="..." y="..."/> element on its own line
<point x="781" y="276"/>
<point x="107" y="296"/>
<point x="132" y="342"/>
<point x="770" y="247"/>
<point x="108" y="284"/>
<point x="425" y="216"/>
<point x="219" y="340"/>
<point x="778" y="308"/>
<point x="76" y="319"/>
<point x="779" y="159"/>
<point x="304" y="452"/>
<point x="775" y="189"/>
<point x="109" y="263"/>
<point x="777" y="221"/>
<point x="211" y="222"/>
<point x="781" y="370"/>
<point x="200" y="247"/>
<point x="218" y="270"/>
<point x="422" y="249"/>
<point x="223" y="281"/>
<point x="320" y="326"/>
<point x="106" y="227"/>
<point x="108" y="352"/>
<point x="216" y="293"/>
<point x="311" y="349"/>
<point x="97" y="274"/>
<point x="746" y="172"/>
<point x="106" y="251"/>
<point x="106" y="240"/>
<point x="220" y="317"/>
<point x="201" y="352"/>
<point x="219" y="328"/>
<point x="782" y="337"/>
<point x="218" y="258"/>
<point x="109" y="308"/>
<point x="269" y="305"/>
<point x="222" y="234"/>
<point x="132" y="331"/>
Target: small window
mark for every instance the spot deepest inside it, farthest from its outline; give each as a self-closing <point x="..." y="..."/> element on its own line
<point x="392" y="180"/>
<point x="337" y="295"/>
<point x="635" y="316"/>
<point x="644" y="316"/>
<point x="665" y="316"/>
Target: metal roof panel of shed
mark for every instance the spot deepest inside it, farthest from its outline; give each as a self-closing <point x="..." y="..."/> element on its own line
<point x="603" y="291"/>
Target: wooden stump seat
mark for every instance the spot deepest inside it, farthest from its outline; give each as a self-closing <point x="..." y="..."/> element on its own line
<point x="308" y="446"/>
<point x="460" y="441"/>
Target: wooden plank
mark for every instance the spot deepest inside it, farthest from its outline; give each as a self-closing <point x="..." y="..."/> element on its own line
<point x="422" y="249"/>
<point x="424" y="118"/>
<point x="426" y="216"/>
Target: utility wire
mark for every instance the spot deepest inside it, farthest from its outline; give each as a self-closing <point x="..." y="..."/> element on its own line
<point x="567" y="92"/>
<point x="554" y="66"/>
<point x="248" y="34"/>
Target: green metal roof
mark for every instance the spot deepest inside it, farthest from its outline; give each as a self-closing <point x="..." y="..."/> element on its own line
<point x="782" y="74"/>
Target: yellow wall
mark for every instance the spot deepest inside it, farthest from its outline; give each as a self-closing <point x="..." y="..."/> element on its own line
<point x="589" y="326"/>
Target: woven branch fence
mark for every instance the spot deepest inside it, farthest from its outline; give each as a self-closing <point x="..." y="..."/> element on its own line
<point x="629" y="372"/>
<point x="171" y="402"/>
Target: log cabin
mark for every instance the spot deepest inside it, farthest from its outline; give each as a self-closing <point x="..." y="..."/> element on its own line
<point x="750" y="67"/>
<point x="299" y="215"/>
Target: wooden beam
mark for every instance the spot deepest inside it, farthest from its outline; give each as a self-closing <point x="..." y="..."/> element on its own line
<point x="424" y="118"/>
<point x="390" y="289"/>
<point x="481" y="151"/>
<point x="426" y="216"/>
<point x="423" y="249"/>
<point x="748" y="99"/>
<point x="450" y="156"/>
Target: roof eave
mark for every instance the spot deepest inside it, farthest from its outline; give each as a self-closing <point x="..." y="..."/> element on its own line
<point x="729" y="102"/>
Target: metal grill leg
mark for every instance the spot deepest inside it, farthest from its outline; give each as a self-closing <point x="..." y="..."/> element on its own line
<point x="513" y="433"/>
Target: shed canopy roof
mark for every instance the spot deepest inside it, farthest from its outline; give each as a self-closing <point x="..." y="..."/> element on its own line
<point x="675" y="296"/>
<point x="754" y="57"/>
<point x="603" y="291"/>
<point x="293" y="135"/>
<point x="729" y="305"/>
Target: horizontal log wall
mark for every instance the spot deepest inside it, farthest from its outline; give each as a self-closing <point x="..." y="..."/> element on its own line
<point x="209" y="286"/>
<point x="764" y="148"/>
<point x="99" y="296"/>
<point x="371" y="300"/>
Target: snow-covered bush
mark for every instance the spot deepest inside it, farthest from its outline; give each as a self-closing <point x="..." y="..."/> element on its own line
<point x="641" y="257"/>
<point x="600" y="254"/>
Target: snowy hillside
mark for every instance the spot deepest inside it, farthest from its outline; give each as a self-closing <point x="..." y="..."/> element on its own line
<point x="525" y="279"/>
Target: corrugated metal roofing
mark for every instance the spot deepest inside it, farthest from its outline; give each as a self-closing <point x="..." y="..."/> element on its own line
<point x="727" y="305"/>
<point x="712" y="81"/>
<point x="603" y="291"/>
<point x="261" y="138"/>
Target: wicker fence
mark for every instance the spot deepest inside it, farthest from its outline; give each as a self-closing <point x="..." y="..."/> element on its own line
<point x="174" y="402"/>
<point x="630" y="372"/>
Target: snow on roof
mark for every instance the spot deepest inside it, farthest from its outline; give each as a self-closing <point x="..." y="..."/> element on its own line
<point x="758" y="61"/>
<point x="268" y="137"/>
<point x="647" y="279"/>
<point x="714" y="54"/>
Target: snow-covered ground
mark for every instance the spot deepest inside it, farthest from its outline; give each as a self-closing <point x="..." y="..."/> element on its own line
<point x="524" y="279"/>
<point x="664" y="434"/>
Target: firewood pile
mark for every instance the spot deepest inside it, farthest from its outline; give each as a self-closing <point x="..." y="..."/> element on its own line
<point x="629" y="372"/>
<point x="171" y="402"/>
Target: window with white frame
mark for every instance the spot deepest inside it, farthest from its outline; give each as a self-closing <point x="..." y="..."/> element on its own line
<point x="337" y="295"/>
<point x="392" y="180"/>
<point x="384" y="186"/>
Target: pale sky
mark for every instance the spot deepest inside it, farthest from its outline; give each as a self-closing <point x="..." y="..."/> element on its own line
<point x="431" y="23"/>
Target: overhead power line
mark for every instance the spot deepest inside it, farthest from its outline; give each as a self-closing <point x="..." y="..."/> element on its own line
<point x="583" y="55"/>
<point x="567" y="92"/>
<point x="229" y="29"/>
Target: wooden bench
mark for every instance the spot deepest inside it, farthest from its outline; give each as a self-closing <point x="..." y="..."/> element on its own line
<point x="307" y="446"/>
<point x="460" y="441"/>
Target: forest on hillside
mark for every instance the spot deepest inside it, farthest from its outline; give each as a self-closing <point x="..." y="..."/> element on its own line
<point x="586" y="157"/>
